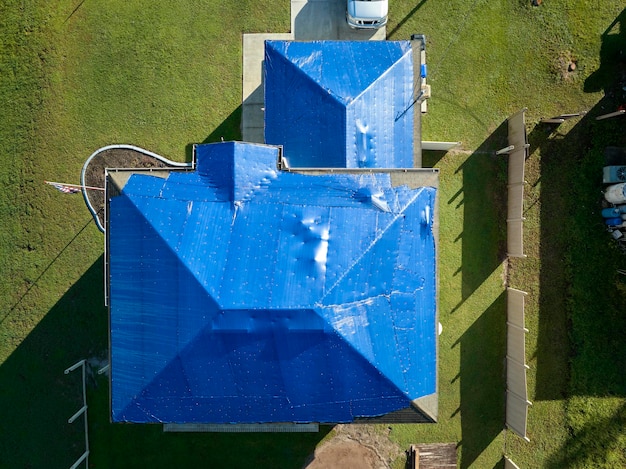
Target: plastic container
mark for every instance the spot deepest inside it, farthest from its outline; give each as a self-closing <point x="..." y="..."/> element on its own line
<point x="611" y="212"/>
<point x="622" y="208"/>
<point x="616" y="194"/>
<point x="613" y="221"/>
<point x="617" y="234"/>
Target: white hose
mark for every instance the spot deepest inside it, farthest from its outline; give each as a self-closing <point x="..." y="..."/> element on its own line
<point x="120" y="147"/>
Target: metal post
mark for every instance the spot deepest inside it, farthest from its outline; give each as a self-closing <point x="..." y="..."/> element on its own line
<point x="77" y="414"/>
<point x="611" y="114"/>
<point x="83" y="411"/>
<point x="507" y="150"/>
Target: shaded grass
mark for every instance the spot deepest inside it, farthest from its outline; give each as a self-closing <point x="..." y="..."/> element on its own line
<point x="482" y="385"/>
<point x="576" y="316"/>
<point x="598" y="434"/>
<point x="36" y="398"/>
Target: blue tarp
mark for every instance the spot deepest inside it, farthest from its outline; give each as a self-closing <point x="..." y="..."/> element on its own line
<point x="340" y="104"/>
<point x="243" y="294"/>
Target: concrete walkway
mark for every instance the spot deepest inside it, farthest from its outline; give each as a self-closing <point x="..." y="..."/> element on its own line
<point x="252" y="107"/>
<point x="311" y="20"/>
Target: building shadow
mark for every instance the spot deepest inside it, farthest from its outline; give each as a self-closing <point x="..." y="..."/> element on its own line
<point x="581" y="322"/>
<point x="483" y="198"/>
<point x="36" y="398"/>
<point x="228" y="130"/>
<point x="431" y="158"/>
<point x="482" y="375"/>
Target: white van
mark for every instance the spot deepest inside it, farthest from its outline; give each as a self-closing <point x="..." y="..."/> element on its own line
<point x="367" y="14"/>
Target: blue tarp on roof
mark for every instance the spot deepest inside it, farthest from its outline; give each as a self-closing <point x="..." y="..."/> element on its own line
<point x="340" y="104"/>
<point x="241" y="294"/>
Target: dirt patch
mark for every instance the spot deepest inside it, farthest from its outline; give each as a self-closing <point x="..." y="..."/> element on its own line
<point x="356" y="446"/>
<point x="566" y="65"/>
<point x="113" y="158"/>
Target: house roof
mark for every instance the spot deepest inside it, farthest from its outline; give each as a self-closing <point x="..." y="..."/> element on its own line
<point x="357" y="95"/>
<point x="240" y="293"/>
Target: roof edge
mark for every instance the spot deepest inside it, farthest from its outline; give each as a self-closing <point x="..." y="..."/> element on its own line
<point x="410" y="414"/>
<point x="428" y="406"/>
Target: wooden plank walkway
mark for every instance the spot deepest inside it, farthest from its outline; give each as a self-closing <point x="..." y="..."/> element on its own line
<point x="433" y="456"/>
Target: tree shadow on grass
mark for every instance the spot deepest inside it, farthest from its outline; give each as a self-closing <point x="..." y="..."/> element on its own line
<point x="612" y="57"/>
<point x="483" y="348"/>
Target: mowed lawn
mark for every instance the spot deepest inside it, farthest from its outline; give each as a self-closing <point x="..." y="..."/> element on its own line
<point x="78" y="75"/>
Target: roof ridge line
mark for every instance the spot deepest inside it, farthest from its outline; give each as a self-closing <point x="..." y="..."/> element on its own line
<point x="386" y="72"/>
<point x="348" y="343"/>
<point x="301" y="72"/>
<point x="373" y="243"/>
<point x="142" y="388"/>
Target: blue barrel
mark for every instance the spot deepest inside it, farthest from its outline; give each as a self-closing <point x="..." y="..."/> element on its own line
<point x="611" y="212"/>
<point x="613" y="221"/>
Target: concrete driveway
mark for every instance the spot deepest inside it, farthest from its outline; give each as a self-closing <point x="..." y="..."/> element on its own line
<point x="311" y="20"/>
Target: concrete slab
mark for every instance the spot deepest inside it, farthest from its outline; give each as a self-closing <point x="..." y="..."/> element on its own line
<point x="253" y="55"/>
<point x="253" y="134"/>
<point x="252" y="117"/>
<point x="253" y="122"/>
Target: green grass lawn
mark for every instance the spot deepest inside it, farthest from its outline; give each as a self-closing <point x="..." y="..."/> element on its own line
<point x="75" y="76"/>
